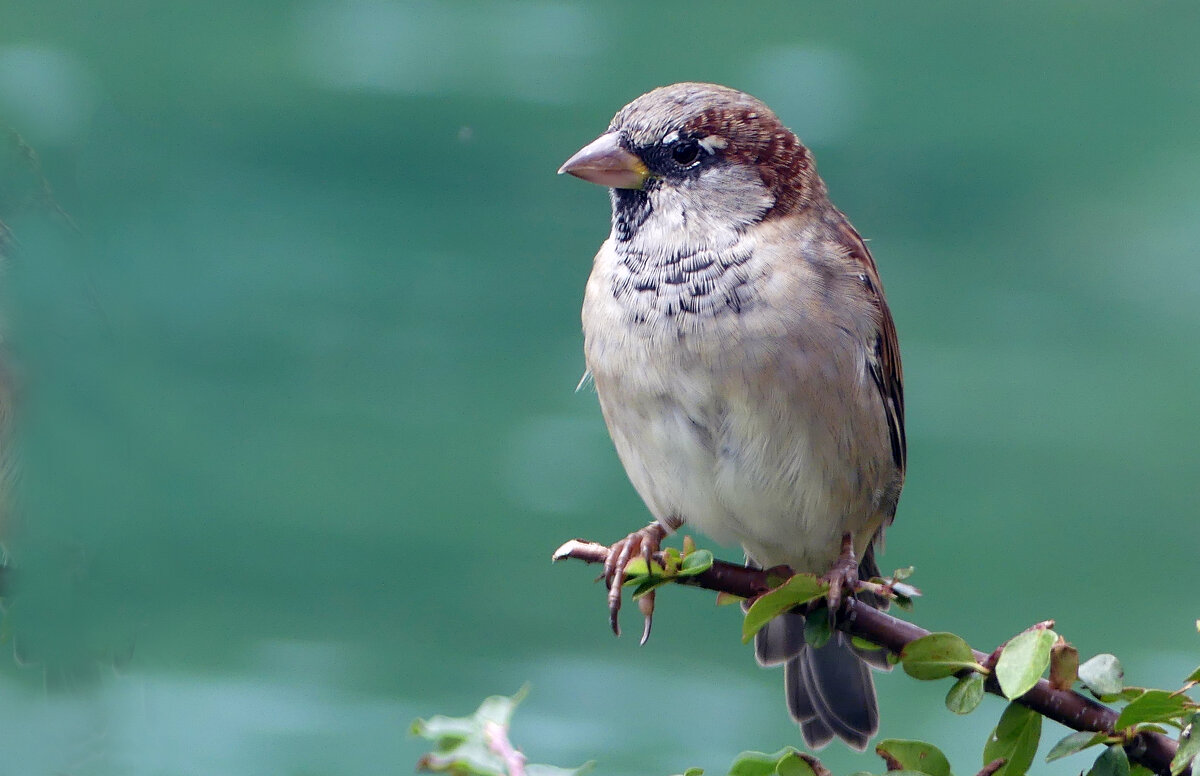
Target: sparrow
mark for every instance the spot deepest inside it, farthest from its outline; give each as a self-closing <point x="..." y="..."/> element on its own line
<point x="747" y="367"/>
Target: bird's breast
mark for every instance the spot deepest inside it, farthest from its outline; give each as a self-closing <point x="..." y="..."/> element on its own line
<point x="739" y="419"/>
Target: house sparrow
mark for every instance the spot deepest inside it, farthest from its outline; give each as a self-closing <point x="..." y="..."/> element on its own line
<point x="747" y="366"/>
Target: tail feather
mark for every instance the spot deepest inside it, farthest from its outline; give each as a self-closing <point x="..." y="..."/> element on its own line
<point x="829" y="690"/>
<point x="835" y="684"/>
<point x="780" y="640"/>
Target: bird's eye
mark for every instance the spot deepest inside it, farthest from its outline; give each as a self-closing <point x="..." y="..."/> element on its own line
<point x="685" y="152"/>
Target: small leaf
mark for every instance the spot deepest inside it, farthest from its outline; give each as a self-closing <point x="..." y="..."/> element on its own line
<point x="1136" y="769"/>
<point x="692" y="772"/>
<point x="671" y="560"/>
<point x="905" y="590"/>
<point x="473" y="758"/>
<point x="1023" y="660"/>
<point x="499" y="708"/>
<point x="966" y="694"/>
<point x="447" y="732"/>
<point x="1015" y="738"/>
<point x="646" y="585"/>
<point x="800" y="589"/>
<point x="800" y="764"/>
<point x="1064" y="665"/>
<point x="1128" y="694"/>
<point x="862" y="645"/>
<point x="902" y="574"/>
<point x="637" y="568"/>
<point x="757" y="763"/>
<point x="817" y="630"/>
<point x="1151" y="706"/>
<point x="1076" y="742"/>
<point x="1189" y="746"/>
<point x="689" y="546"/>
<point x="937" y="656"/>
<point x="1103" y="675"/>
<point x="1194" y="676"/>
<point x="1111" y="762"/>
<point x="913" y="756"/>
<point x="725" y="599"/>
<point x="695" y="563"/>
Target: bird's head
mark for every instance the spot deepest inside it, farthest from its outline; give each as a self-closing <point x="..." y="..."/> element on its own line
<point x="697" y="160"/>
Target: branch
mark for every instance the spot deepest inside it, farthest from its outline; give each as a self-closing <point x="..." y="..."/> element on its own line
<point x="1069" y="708"/>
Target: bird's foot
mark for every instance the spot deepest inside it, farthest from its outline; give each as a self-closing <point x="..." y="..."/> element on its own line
<point x="842" y="577"/>
<point x="644" y="542"/>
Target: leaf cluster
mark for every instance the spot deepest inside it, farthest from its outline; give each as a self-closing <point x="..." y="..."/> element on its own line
<point x="476" y="745"/>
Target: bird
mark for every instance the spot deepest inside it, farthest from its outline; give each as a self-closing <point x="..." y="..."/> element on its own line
<point x="747" y="368"/>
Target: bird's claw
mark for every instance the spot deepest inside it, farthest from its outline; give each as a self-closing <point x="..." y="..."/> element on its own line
<point x="644" y="542"/>
<point x="842" y="578"/>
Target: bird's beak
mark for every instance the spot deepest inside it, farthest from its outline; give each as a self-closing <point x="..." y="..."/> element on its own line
<point x="603" y="161"/>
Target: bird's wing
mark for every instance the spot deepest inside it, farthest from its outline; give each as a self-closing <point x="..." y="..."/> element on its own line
<point x="883" y="360"/>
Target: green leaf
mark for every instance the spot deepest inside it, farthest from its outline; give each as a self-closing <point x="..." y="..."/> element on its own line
<point x="1189" y="746"/>
<point x="1023" y="660"/>
<point x="800" y="589"/>
<point x="695" y="562"/>
<point x="786" y="762"/>
<point x="472" y="758"/>
<point x="1111" y="762"/>
<point x="799" y="764"/>
<point x="637" y="569"/>
<point x="693" y="772"/>
<point x="647" y="585"/>
<point x="1015" y="738"/>
<point x="1137" y="769"/>
<point x="863" y="644"/>
<point x="937" y="656"/>
<point x="1194" y="676"/>
<point x="755" y="764"/>
<point x="1151" y="706"/>
<point x="817" y="630"/>
<point x="1128" y="694"/>
<point x="1103" y="675"/>
<point x="499" y="708"/>
<point x="966" y="694"/>
<point x="459" y="742"/>
<point x="1076" y="742"/>
<point x="447" y="732"/>
<point x="914" y="756"/>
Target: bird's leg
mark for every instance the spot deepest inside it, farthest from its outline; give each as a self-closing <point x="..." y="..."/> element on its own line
<point x="644" y="542"/>
<point x="842" y="576"/>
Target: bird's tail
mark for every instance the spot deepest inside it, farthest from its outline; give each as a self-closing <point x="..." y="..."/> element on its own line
<point x="829" y="689"/>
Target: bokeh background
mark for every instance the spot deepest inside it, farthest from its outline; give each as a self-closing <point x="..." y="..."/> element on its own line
<point x="292" y="309"/>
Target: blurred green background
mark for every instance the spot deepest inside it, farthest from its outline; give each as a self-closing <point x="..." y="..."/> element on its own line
<point x="297" y="358"/>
